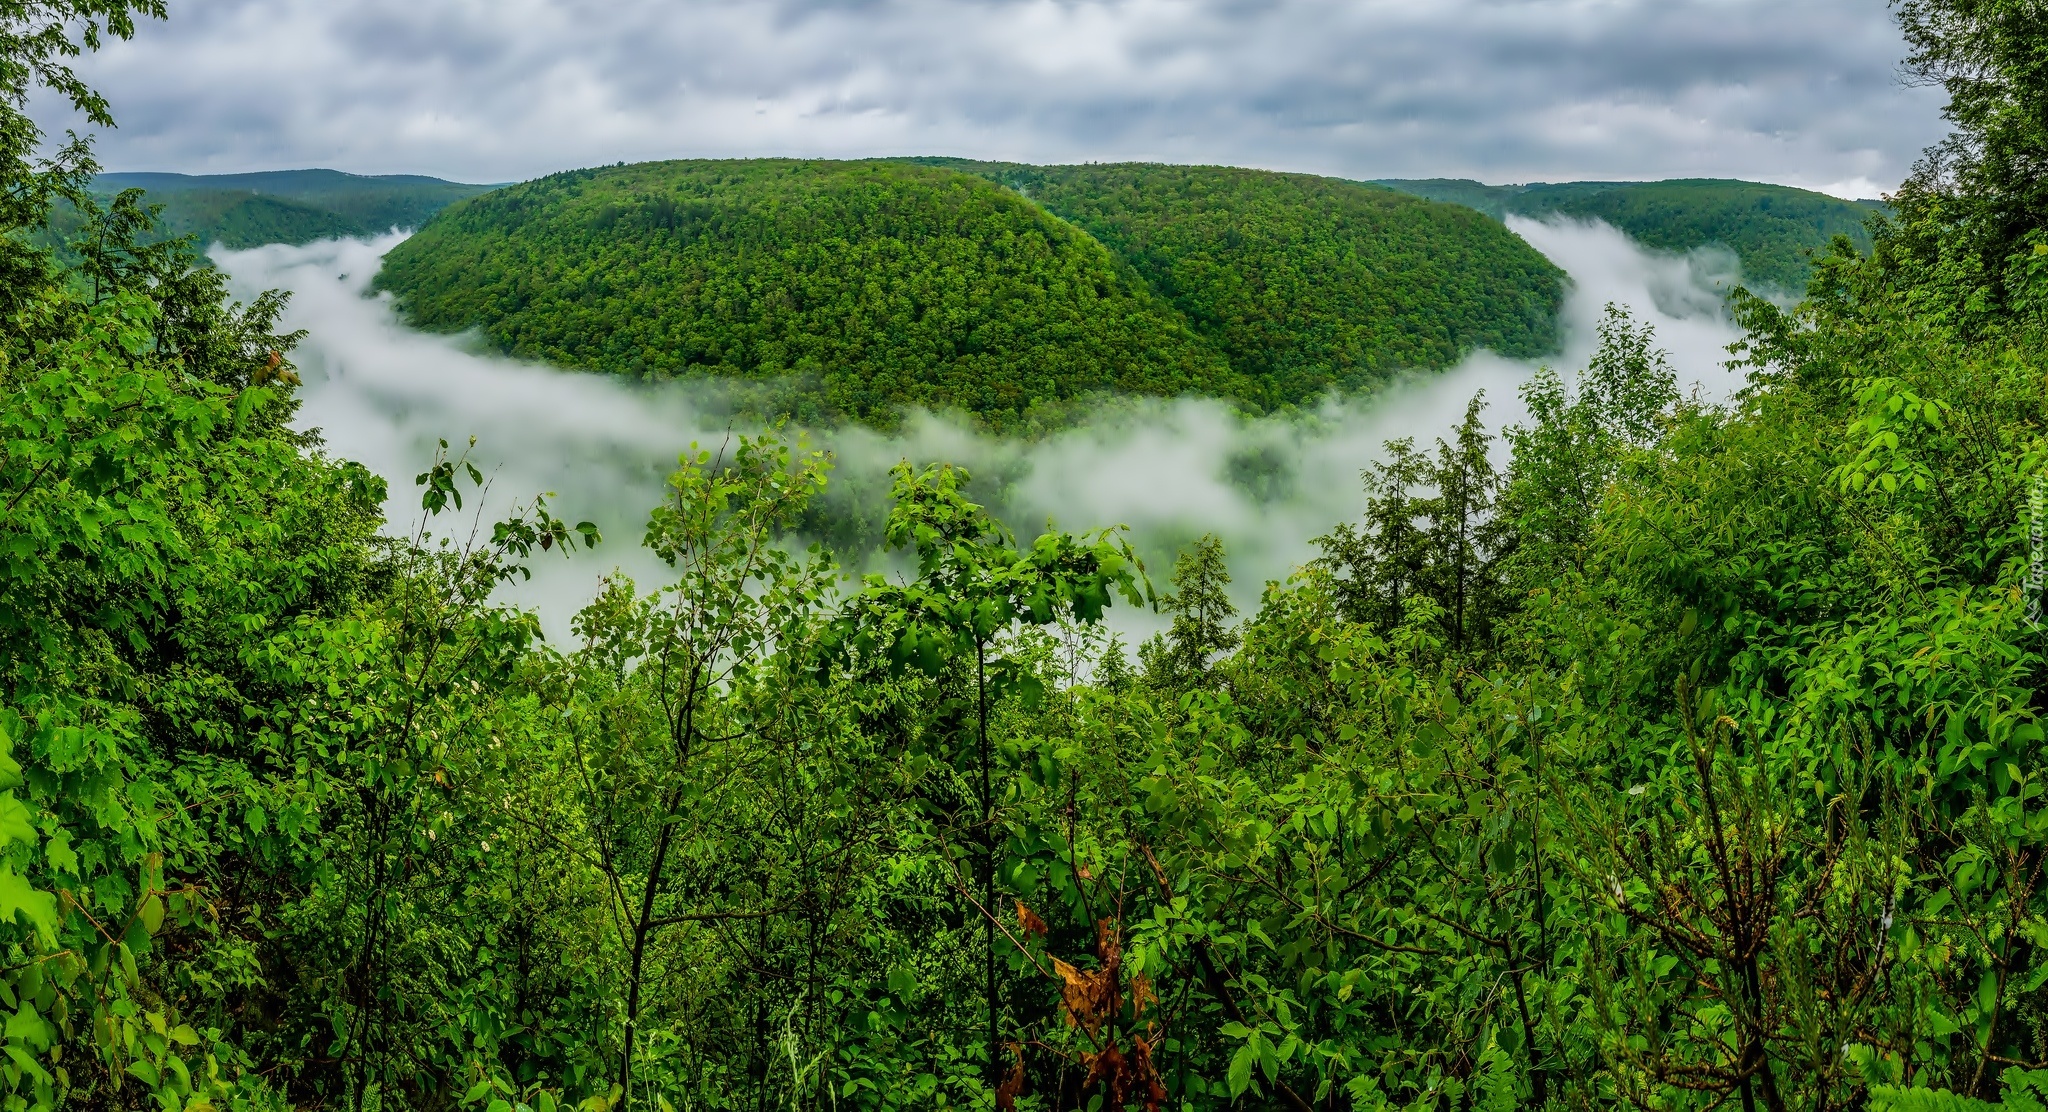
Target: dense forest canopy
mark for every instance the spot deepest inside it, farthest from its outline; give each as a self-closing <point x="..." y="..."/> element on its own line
<point x="1774" y="230"/>
<point x="1307" y="283"/>
<point x="1681" y="757"/>
<point x="872" y="286"/>
<point x="893" y="284"/>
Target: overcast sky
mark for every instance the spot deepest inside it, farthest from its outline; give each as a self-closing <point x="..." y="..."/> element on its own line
<point x="1803" y="92"/>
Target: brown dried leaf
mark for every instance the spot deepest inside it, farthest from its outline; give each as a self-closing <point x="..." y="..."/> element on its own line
<point x="1142" y="996"/>
<point x="1108" y="1068"/>
<point x="1006" y="1093"/>
<point x="1088" y="996"/>
<point x="1144" y="1076"/>
<point x="1029" y="922"/>
<point x="1109" y="942"/>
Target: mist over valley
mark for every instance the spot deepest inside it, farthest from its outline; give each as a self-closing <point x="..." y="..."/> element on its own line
<point x="385" y="394"/>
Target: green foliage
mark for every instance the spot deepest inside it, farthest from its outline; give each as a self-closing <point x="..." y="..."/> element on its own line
<point x="2024" y="1090"/>
<point x="1692" y="758"/>
<point x="1307" y="283"/>
<point x="1774" y="230"/>
<point x="1431" y="542"/>
<point x="876" y="286"/>
<point x="887" y="285"/>
<point x="372" y="203"/>
<point x="1977" y="194"/>
<point x="1202" y="615"/>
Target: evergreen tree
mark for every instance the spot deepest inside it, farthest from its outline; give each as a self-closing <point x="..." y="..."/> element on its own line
<point x="1430" y="532"/>
<point x="1202" y="614"/>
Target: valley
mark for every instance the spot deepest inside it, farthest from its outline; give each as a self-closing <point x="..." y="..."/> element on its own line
<point x="383" y="393"/>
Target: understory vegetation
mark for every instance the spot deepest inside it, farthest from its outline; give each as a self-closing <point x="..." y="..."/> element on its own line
<point x="1689" y="758"/>
<point x="856" y="289"/>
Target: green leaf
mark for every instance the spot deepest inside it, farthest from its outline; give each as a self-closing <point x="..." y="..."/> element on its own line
<point x="11" y="730"/>
<point x="1240" y="1076"/>
<point x="17" y="899"/>
<point x="27" y="1064"/>
<point x="247" y="402"/>
<point x="60" y="854"/>
<point x="16" y="823"/>
<point x="28" y="1025"/>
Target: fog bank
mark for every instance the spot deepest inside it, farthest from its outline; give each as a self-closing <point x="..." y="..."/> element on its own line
<point x="385" y="395"/>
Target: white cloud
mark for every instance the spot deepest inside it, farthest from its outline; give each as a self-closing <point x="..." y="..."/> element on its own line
<point x="1498" y="89"/>
<point x="1855" y="189"/>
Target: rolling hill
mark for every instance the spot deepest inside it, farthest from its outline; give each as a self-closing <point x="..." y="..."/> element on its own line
<point x="989" y="288"/>
<point x="281" y="206"/>
<point x="874" y="285"/>
<point x="1771" y="228"/>
<point x="1302" y="282"/>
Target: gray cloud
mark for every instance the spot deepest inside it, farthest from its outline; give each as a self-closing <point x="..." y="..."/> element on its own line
<point x="1804" y="93"/>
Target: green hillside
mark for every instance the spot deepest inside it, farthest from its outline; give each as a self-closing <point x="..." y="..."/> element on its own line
<point x="984" y="287"/>
<point x="1304" y="282"/>
<point x="371" y="204"/>
<point x="281" y="206"/>
<point x="885" y="284"/>
<point x="1771" y="228"/>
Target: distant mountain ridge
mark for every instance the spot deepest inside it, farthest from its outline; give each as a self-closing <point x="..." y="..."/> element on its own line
<point x="1772" y="229"/>
<point x="239" y="211"/>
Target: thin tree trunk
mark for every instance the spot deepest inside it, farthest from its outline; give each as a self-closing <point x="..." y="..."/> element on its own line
<point x="988" y="856"/>
<point x="642" y="928"/>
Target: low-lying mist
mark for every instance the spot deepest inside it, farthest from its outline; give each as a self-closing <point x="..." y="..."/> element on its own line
<point x="385" y="395"/>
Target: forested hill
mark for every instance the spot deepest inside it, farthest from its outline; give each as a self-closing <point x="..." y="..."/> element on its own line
<point x="1773" y="229"/>
<point x="282" y="206"/>
<point x="982" y="287"/>
<point x="881" y="285"/>
<point x="1305" y="282"/>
